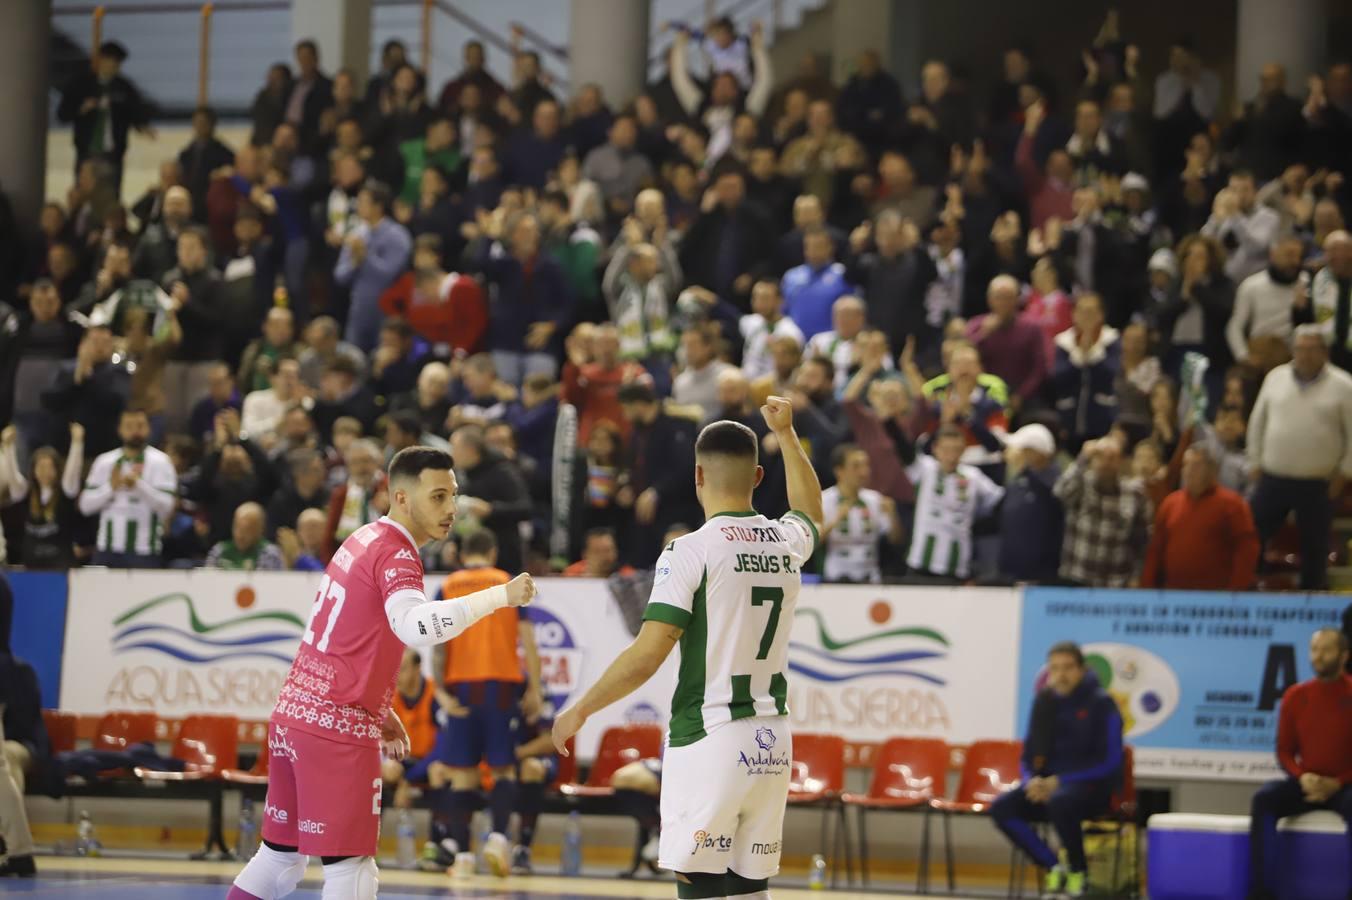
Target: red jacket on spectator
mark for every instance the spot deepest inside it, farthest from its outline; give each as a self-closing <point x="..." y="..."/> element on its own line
<point x="595" y="391"/>
<point x="1046" y="198"/>
<point x="458" y="316"/>
<point x="1207" y="543"/>
<point x="1314" y="729"/>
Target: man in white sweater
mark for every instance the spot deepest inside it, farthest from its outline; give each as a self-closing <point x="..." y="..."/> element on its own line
<point x="1265" y="301"/>
<point x="1300" y="440"/>
<point x="133" y="492"/>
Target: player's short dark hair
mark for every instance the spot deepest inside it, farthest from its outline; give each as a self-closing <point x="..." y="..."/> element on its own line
<point x="417" y="657"/>
<point x="727" y="438"/>
<point x="412" y="461"/>
<point x="481" y="542"/>
<point x="1067" y="648"/>
<point x="134" y="411"/>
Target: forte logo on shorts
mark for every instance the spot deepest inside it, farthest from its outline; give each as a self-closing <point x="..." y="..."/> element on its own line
<point x="719" y="843"/>
<point x="310" y="826"/>
<point x="764" y="761"/>
<point x="275" y="813"/>
<point x="758" y="849"/>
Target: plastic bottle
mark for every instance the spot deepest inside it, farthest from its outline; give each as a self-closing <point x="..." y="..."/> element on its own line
<point x="406" y="841"/>
<point x="86" y="841"/>
<point x="247" y="843"/>
<point x="816" y="878"/>
<point x="570" y="859"/>
<point x="481" y="827"/>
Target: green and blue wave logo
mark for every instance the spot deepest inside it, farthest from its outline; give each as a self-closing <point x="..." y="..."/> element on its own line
<point x="892" y="653"/>
<point x="264" y="634"/>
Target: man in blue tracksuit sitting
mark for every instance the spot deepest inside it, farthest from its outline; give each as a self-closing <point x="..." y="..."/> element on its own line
<point x="1072" y="763"/>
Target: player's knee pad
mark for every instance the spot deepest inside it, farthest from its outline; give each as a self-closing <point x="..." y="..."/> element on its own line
<point x="272" y="874"/>
<point x="700" y="885"/>
<point x="355" y="878"/>
<point x="747" y="888"/>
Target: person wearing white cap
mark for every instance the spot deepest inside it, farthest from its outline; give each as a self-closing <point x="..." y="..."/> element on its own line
<point x="1032" y="520"/>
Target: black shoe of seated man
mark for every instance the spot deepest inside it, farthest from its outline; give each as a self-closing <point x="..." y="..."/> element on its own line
<point x="1261" y="894"/>
<point x="18" y="867"/>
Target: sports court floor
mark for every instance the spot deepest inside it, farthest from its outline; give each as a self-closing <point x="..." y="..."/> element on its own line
<point x="142" y="879"/>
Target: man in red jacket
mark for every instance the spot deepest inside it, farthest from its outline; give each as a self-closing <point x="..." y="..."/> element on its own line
<point x="1204" y="538"/>
<point x="591" y="382"/>
<point x="1314" y="746"/>
<point x="446" y="309"/>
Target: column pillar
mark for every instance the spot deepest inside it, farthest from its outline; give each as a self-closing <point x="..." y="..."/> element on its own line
<point x="25" y="30"/>
<point x="341" y="28"/>
<point x="608" y="45"/>
<point x="1291" y="32"/>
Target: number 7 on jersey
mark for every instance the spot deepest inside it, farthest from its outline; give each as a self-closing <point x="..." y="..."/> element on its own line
<point x="775" y="597"/>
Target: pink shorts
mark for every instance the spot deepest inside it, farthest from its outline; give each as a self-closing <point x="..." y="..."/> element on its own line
<point x="323" y="795"/>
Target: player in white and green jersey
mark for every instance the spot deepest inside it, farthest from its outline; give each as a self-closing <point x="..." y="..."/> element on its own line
<point x="949" y="497"/>
<point x="132" y="491"/>
<point x="726" y="594"/>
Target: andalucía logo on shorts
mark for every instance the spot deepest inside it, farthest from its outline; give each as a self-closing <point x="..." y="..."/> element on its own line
<point x="764" y="761"/>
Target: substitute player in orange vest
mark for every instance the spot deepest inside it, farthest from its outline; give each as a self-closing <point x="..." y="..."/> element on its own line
<point x="484" y="676"/>
<point x="415" y="704"/>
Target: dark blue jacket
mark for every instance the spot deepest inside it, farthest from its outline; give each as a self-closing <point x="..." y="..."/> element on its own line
<point x="1082" y="739"/>
<point x="1032" y="524"/>
<point x="1084" y="385"/>
<point x="517" y="299"/>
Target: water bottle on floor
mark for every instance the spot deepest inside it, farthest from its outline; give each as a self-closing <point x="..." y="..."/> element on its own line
<point x="248" y="831"/>
<point x="406" y="841"/>
<point x="816" y="878"/>
<point x="570" y="859"/>
<point x="481" y="826"/>
<point x="86" y="841"/>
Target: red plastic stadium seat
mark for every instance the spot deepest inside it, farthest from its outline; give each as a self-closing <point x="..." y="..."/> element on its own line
<point x="620" y="746"/>
<point x="60" y="729"/>
<point x="119" y="730"/>
<point x="567" y="767"/>
<point x="257" y="774"/>
<point x="907" y="773"/>
<point x="992" y="767"/>
<point x="206" y="744"/>
<point x="818" y="768"/>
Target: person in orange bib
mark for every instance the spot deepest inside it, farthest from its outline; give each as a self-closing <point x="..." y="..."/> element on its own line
<point x="488" y="690"/>
<point x="415" y="704"/>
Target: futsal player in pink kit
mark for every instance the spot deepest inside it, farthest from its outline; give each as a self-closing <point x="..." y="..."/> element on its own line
<point x="333" y="719"/>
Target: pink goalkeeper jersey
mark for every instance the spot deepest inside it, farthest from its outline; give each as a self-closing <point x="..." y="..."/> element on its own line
<point x="342" y="681"/>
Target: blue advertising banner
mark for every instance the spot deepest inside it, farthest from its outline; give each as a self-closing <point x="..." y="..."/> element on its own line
<point x="1197" y="675"/>
<point x="40" y="627"/>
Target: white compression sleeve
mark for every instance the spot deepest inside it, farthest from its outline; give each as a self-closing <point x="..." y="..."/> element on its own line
<point x="419" y="622"/>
